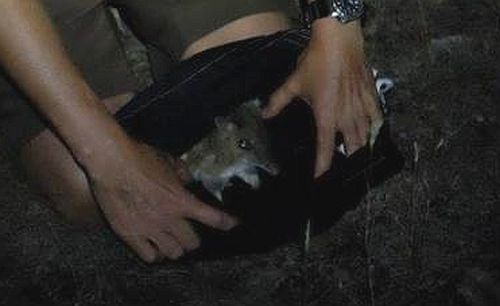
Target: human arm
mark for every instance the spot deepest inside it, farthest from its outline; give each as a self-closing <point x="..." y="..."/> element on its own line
<point x="139" y="194"/>
<point x="332" y="77"/>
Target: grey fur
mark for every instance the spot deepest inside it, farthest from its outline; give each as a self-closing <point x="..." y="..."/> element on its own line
<point x="235" y="148"/>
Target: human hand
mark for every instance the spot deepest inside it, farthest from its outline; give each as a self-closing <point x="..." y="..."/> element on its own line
<point x="146" y="205"/>
<point x="139" y="194"/>
<point x="332" y="78"/>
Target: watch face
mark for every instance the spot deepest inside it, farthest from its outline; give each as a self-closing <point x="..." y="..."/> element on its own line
<point x="342" y="10"/>
<point x="347" y="10"/>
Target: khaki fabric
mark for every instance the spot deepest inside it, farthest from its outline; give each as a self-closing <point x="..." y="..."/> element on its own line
<point x="172" y="25"/>
<point x="89" y="35"/>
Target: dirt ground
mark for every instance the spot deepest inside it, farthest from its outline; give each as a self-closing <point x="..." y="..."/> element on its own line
<point x="428" y="236"/>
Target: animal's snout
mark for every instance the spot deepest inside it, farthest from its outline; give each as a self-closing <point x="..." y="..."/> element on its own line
<point x="271" y="167"/>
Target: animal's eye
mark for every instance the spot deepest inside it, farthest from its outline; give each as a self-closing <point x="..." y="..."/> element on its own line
<point x="245" y="144"/>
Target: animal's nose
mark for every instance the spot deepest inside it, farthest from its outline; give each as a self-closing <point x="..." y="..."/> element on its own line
<point x="272" y="168"/>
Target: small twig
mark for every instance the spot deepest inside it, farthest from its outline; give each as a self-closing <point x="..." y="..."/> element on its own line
<point x="416" y="153"/>
<point x="307" y="239"/>
<point x="415" y="219"/>
<point x="303" y="269"/>
<point x="369" y="264"/>
<point x="368" y="224"/>
<point x="425" y="27"/>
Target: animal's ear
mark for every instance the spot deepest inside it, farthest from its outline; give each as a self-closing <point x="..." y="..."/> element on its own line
<point x="249" y="110"/>
<point x="225" y="124"/>
<point x="231" y="126"/>
<point x="256" y="102"/>
<point x="220" y="121"/>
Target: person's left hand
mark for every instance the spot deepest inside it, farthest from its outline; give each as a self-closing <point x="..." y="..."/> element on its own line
<point x="331" y="76"/>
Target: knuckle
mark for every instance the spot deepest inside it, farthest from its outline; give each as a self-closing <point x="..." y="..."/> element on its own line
<point x="189" y="205"/>
<point x="184" y="210"/>
<point x="175" y="253"/>
<point x="193" y="244"/>
<point x="219" y="220"/>
<point x="358" y="142"/>
<point x="278" y="99"/>
<point x="363" y="127"/>
<point x="377" y="114"/>
<point x="346" y="127"/>
<point x="363" y="140"/>
<point x="199" y="210"/>
<point x="323" y="125"/>
<point x="222" y="221"/>
<point x="148" y="257"/>
<point x="291" y="88"/>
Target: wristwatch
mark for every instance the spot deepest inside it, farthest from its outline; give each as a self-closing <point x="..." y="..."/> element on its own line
<point x="342" y="10"/>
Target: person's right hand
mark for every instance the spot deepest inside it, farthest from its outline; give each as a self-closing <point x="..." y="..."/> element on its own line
<point x="146" y="205"/>
<point x="140" y="195"/>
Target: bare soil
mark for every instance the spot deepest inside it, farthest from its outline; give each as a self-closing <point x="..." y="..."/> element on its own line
<point x="428" y="236"/>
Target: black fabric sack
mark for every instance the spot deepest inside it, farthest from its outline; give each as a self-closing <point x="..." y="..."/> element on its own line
<point x="179" y="110"/>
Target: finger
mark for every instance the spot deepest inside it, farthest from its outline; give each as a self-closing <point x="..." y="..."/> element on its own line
<point x="351" y="137"/>
<point x="210" y="216"/>
<point x="282" y="97"/>
<point x="375" y="116"/>
<point x="363" y="129"/>
<point x="370" y="101"/>
<point x="361" y="119"/>
<point x="167" y="246"/>
<point x="325" y="143"/>
<point x="185" y="235"/>
<point x="141" y="247"/>
<point x="182" y="170"/>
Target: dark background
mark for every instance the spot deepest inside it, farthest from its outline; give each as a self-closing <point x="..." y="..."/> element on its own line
<point x="428" y="236"/>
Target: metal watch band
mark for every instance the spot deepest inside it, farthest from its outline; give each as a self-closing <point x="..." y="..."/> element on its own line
<point x="342" y="10"/>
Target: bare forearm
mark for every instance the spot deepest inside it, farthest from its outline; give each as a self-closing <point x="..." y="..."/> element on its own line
<point x="32" y="53"/>
<point x="140" y="195"/>
<point x="332" y="76"/>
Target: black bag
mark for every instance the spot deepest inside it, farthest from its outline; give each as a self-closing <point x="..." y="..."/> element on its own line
<point x="177" y="111"/>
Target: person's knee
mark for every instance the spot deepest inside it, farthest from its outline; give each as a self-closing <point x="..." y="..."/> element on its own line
<point x="53" y="171"/>
<point x="75" y="203"/>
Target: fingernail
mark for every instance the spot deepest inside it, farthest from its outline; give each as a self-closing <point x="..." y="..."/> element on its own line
<point x="176" y="254"/>
<point x="230" y="222"/>
<point x="319" y="171"/>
